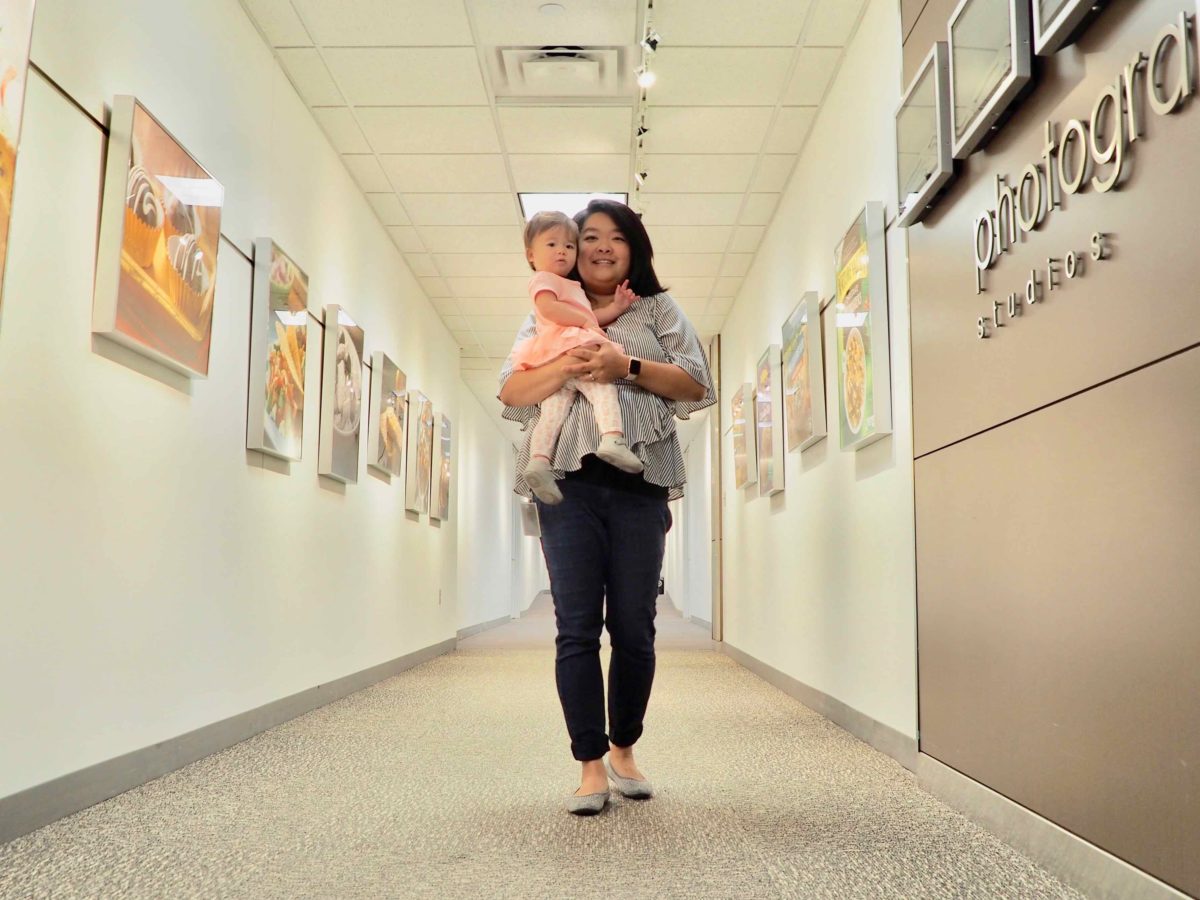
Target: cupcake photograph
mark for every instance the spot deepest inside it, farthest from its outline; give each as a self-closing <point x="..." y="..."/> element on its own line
<point x="168" y="255"/>
<point x="16" y="26"/>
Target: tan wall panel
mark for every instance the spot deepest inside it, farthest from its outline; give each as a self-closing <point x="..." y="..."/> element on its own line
<point x="1137" y="306"/>
<point x="920" y="34"/>
<point x="1058" y="582"/>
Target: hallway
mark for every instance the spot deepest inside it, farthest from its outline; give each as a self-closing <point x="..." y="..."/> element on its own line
<point x="448" y="781"/>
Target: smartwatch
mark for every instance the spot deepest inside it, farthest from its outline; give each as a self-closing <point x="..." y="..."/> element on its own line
<point x="635" y="369"/>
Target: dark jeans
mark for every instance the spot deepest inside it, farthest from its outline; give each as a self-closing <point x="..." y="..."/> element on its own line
<point x="604" y="544"/>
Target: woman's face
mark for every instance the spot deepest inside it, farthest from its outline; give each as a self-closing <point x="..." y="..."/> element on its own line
<point x="603" y="254"/>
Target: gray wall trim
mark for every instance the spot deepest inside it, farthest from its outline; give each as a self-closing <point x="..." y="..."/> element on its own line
<point x="464" y="633"/>
<point x="37" y="806"/>
<point x="703" y="623"/>
<point x="882" y="737"/>
<point x="1082" y="865"/>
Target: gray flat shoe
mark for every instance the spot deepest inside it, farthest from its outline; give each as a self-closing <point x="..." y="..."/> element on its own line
<point x="588" y="804"/>
<point x="632" y="788"/>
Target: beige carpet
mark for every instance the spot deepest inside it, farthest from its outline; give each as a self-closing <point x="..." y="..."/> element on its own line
<point x="448" y="781"/>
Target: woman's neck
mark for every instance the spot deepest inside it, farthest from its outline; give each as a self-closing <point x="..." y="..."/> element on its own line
<point x="599" y="300"/>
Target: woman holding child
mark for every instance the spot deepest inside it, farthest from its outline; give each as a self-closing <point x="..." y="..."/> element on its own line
<point x="602" y="473"/>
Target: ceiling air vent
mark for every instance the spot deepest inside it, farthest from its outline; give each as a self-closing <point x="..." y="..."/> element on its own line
<point x="558" y="72"/>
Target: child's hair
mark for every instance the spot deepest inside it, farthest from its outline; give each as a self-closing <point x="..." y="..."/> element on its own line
<point x="546" y="221"/>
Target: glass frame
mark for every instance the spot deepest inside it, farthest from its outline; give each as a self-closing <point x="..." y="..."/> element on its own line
<point x="936" y="66"/>
<point x="1049" y="37"/>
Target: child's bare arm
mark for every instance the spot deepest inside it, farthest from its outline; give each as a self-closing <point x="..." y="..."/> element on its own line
<point x="561" y="312"/>
<point x="623" y="298"/>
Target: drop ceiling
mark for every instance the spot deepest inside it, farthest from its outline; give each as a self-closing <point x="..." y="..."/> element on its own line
<point x="414" y="96"/>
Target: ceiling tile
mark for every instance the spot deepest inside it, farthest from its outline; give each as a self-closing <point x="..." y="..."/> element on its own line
<point x="691" y="209"/>
<point x="691" y="287"/>
<point x="421" y="264"/>
<point x="310" y="77"/>
<point x="719" y="306"/>
<point x="479" y="264"/>
<point x="704" y="76"/>
<point x="387" y="207"/>
<point x="455" y="323"/>
<point x="736" y="263"/>
<point x="477" y="239"/>
<point x="378" y="23"/>
<point x="367" y="172"/>
<point x="696" y="173"/>
<point x="490" y="286"/>
<point x="594" y="23"/>
<point x="408" y="76"/>
<point x="759" y="209"/>
<point x="668" y="264"/>
<point x="482" y="364"/>
<point x="582" y="173"/>
<point x="791" y="128"/>
<point x="692" y="306"/>
<point x="445" y="306"/>
<point x="708" y="324"/>
<point x="773" y="172"/>
<point x="746" y="238"/>
<point x="436" y="173"/>
<point x="279" y="22"/>
<point x="429" y="129"/>
<point x="474" y="353"/>
<point x="566" y="129"/>
<point x="435" y="287"/>
<point x="406" y="238"/>
<point x="508" y="323"/>
<point x="832" y="23"/>
<point x="495" y="306"/>
<point x="706" y="23"/>
<point x="812" y="75"/>
<point x="464" y="338"/>
<point x="691" y="238"/>
<point x="727" y="287"/>
<point x="344" y="133"/>
<point x="462" y="209"/>
<point x="713" y="129"/>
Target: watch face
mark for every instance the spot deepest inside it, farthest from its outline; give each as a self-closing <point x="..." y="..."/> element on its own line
<point x="635" y="367"/>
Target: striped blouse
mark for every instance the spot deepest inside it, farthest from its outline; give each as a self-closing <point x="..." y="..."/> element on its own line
<point x="654" y="329"/>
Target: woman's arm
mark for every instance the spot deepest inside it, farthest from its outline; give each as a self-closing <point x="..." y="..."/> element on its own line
<point x="532" y="386"/>
<point x="609" y="364"/>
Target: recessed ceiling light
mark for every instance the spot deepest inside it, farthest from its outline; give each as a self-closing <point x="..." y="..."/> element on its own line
<point x="552" y="9"/>
<point x="562" y="202"/>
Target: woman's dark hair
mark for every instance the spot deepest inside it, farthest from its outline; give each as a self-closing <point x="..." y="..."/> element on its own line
<point x="642" y="280"/>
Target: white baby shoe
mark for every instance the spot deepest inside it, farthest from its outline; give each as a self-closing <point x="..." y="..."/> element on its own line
<point x="614" y="451"/>
<point x="540" y="479"/>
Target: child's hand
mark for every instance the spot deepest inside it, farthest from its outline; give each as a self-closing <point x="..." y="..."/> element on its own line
<point x="624" y="298"/>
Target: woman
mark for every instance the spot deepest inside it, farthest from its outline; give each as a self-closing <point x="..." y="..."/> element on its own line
<point x="604" y="542"/>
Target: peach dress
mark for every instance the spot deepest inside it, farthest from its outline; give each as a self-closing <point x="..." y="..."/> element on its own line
<point x="551" y="339"/>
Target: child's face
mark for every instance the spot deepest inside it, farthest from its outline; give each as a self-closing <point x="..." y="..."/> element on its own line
<point x="552" y="251"/>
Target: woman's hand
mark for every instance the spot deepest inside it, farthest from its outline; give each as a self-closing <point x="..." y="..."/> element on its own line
<point x="604" y="364"/>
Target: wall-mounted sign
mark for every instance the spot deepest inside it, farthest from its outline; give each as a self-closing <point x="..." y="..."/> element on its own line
<point x="804" y="374"/>
<point x="341" y="396"/>
<point x="924" y="163"/>
<point x="864" y="367"/>
<point x="990" y="63"/>
<point x="1057" y="21"/>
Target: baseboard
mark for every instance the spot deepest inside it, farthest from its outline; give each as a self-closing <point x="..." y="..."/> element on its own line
<point x="1084" y="866"/>
<point x="465" y="633"/>
<point x="882" y="737"/>
<point x="703" y="623"/>
<point x="38" y="806"/>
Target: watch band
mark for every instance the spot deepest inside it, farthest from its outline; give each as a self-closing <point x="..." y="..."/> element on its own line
<point x="635" y="369"/>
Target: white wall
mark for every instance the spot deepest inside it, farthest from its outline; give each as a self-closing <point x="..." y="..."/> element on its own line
<point x="687" y="562"/>
<point x="820" y="580"/>
<point x="157" y="577"/>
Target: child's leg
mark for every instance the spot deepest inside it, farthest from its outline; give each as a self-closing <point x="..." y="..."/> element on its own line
<point x="613" y="449"/>
<point x="603" y="398"/>
<point x="554" y="413"/>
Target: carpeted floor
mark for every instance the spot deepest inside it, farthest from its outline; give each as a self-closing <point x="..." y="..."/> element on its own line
<point x="448" y="781"/>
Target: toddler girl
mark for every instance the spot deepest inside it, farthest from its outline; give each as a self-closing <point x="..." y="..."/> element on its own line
<point x="566" y="320"/>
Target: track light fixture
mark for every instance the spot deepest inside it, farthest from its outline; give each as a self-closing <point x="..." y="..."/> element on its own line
<point x="640" y="178"/>
<point x="651" y="40"/>
<point x="642" y="131"/>
<point x="645" y="78"/>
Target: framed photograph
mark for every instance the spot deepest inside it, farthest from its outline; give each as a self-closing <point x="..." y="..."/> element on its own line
<point x="389" y="406"/>
<point x="160" y="227"/>
<point x="341" y="396"/>
<point x="278" y="350"/>
<point x="804" y="375"/>
<point x="439" y="503"/>
<point x="745" y="458"/>
<point x="16" y="31"/>
<point x="990" y="63"/>
<point x="864" y="367"/>
<point x="924" y="161"/>
<point x="1057" y="22"/>
<point x="420" y="453"/>
<point x="768" y="420"/>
